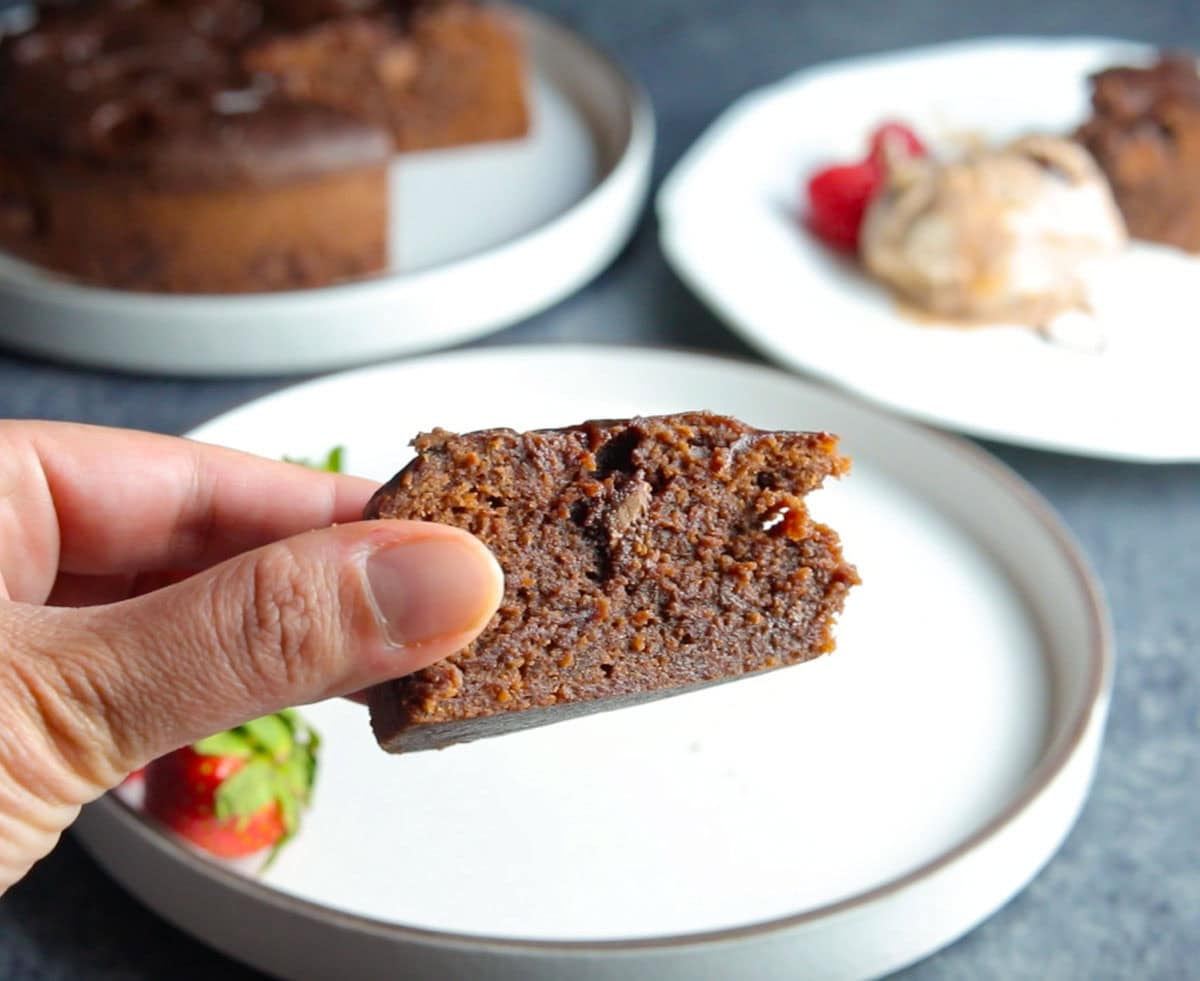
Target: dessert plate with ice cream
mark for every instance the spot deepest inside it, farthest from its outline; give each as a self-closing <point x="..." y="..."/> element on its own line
<point x="976" y="267"/>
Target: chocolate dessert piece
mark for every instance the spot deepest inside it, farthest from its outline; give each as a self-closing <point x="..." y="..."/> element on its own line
<point x="642" y="558"/>
<point x="1145" y="134"/>
<point x="235" y="145"/>
<point x="437" y="73"/>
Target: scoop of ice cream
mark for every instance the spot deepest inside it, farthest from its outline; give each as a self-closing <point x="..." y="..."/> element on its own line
<point x="999" y="236"/>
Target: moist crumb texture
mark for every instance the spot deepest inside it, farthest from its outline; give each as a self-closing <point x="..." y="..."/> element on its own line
<point x="641" y="557"/>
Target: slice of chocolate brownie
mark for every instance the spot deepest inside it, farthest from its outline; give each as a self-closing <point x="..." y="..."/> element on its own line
<point x="642" y="558"/>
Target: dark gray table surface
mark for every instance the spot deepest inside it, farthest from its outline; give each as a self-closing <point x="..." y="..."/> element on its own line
<point x="1122" y="898"/>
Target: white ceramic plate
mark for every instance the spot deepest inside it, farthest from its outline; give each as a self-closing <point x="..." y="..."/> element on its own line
<point x="485" y="236"/>
<point x="837" y="819"/>
<point x="728" y="226"/>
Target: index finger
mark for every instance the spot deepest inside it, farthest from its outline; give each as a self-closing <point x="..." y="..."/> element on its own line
<point x="107" y="501"/>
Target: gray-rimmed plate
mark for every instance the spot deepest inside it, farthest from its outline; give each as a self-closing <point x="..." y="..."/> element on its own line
<point x="837" y="819"/>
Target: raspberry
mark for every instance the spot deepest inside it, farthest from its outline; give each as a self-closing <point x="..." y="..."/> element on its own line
<point x="895" y="137"/>
<point x="838" y="198"/>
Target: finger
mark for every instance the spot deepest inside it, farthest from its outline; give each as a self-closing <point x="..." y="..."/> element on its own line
<point x="322" y="614"/>
<point x="74" y="590"/>
<point x="71" y="589"/>
<point x="82" y="499"/>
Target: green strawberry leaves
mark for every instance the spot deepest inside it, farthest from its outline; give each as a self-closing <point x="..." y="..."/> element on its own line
<point x="230" y="743"/>
<point x="281" y="752"/>
<point x="270" y="735"/>
<point x="332" y="461"/>
<point x="248" y="791"/>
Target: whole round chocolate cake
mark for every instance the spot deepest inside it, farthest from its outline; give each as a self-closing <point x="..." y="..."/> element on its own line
<point x="232" y="145"/>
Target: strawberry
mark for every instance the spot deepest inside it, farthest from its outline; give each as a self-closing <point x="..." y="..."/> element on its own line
<point x="240" y="791"/>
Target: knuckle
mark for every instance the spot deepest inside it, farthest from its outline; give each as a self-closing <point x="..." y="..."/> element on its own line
<point x="61" y="736"/>
<point x="282" y="626"/>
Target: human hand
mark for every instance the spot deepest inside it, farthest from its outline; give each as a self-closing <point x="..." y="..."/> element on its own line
<point x="111" y="658"/>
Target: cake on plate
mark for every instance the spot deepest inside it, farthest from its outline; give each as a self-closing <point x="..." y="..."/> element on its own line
<point x="213" y="146"/>
<point x="1145" y="134"/>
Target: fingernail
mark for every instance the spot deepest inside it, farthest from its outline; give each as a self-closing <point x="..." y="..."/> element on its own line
<point x="432" y="588"/>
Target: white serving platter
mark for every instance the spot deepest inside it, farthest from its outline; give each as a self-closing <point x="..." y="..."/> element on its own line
<point x="838" y="819"/>
<point x="1118" y="384"/>
<point x="484" y="236"/>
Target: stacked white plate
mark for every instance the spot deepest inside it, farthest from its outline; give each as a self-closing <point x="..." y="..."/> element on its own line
<point x="483" y="237"/>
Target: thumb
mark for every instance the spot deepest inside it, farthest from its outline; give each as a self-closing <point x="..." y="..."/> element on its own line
<point x="322" y="614"/>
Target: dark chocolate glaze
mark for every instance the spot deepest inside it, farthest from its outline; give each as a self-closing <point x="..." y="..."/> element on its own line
<point x="160" y="89"/>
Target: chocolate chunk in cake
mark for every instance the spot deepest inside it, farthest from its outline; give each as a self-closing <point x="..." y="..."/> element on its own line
<point x="642" y="558"/>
